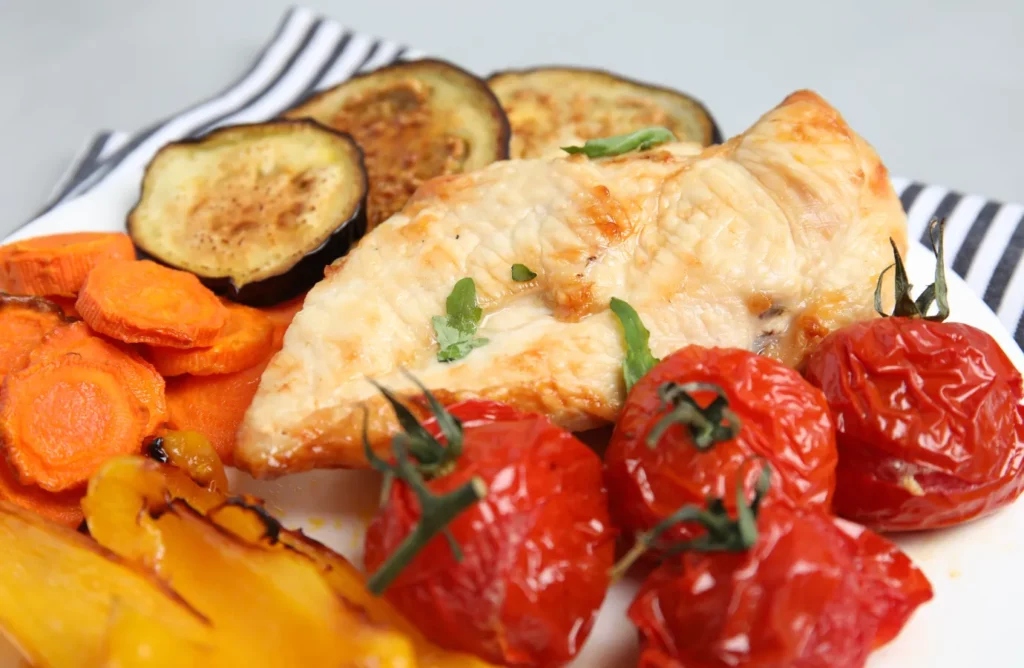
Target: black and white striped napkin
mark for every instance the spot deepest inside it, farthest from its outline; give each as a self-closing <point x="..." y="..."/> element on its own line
<point x="984" y="239"/>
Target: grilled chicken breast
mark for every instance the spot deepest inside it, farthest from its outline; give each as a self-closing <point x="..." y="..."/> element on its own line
<point x="766" y="242"/>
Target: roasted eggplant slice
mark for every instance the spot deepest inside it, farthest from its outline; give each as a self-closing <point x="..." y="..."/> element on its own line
<point x="414" y="120"/>
<point x="551" y="107"/>
<point x="255" y="211"/>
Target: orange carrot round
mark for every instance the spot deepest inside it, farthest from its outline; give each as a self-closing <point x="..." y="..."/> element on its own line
<point x="213" y="405"/>
<point x="246" y="340"/>
<point x="62" y="507"/>
<point x="24" y="321"/>
<point x="61" y="419"/>
<point x="282" y="315"/>
<point x="57" y="264"/>
<point x="139" y="375"/>
<point x="138" y="301"/>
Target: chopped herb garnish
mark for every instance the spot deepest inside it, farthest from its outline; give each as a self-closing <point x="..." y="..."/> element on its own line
<point x="521" y="273"/>
<point x="639" y="359"/>
<point x="456" y="331"/>
<point x="641" y="140"/>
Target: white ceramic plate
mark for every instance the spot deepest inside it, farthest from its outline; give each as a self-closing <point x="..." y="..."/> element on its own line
<point x="975" y="569"/>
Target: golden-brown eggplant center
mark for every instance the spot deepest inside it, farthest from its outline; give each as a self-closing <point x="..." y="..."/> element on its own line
<point x="248" y="205"/>
<point x="393" y="124"/>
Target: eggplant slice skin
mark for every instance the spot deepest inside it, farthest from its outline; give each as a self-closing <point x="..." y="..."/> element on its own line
<point x="551" y="107"/>
<point x="257" y="211"/>
<point x="414" y="120"/>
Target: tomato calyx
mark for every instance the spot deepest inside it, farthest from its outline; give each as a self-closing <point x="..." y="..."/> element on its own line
<point x="432" y="459"/>
<point x="708" y="425"/>
<point x="724" y="534"/>
<point x="906" y="306"/>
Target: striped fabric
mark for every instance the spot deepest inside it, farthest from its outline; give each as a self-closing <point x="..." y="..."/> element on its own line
<point x="99" y="148"/>
<point x="306" y="54"/>
<point x="984" y="239"/>
<point x="984" y="242"/>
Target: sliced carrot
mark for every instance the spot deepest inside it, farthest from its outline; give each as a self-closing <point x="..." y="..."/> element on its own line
<point x="63" y="507"/>
<point x="246" y="340"/>
<point x="58" y="264"/>
<point x="282" y="316"/>
<point x="138" y="301"/>
<point x="62" y="418"/>
<point x="66" y="304"/>
<point x="139" y="375"/>
<point x="213" y="405"/>
<point x="24" y="321"/>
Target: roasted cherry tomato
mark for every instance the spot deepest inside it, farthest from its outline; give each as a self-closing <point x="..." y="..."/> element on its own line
<point x="765" y="410"/>
<point x="536" y="550"/>
<point x="811" y="592"/>
<point x="929" y="416"/>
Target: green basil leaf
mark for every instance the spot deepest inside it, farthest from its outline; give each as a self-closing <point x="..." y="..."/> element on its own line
<point x="456" y="330"/>
<point x="463" y="313"/>
<point x="458" y="350"/>
<point x="521" y="273"/>
<point x="446" y="334"/>
<point x="641" y="140"/>
<point x="639" y="359"/>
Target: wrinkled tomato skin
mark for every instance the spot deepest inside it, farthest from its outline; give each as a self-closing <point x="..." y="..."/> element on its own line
<point x="784" y="420"/>
<point x="537" y="550"/>
<point x="813" y="592"/>
<point x="940" y="402"/>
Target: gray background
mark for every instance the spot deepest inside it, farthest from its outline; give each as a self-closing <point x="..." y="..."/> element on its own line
<point x="937" y="87"/>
